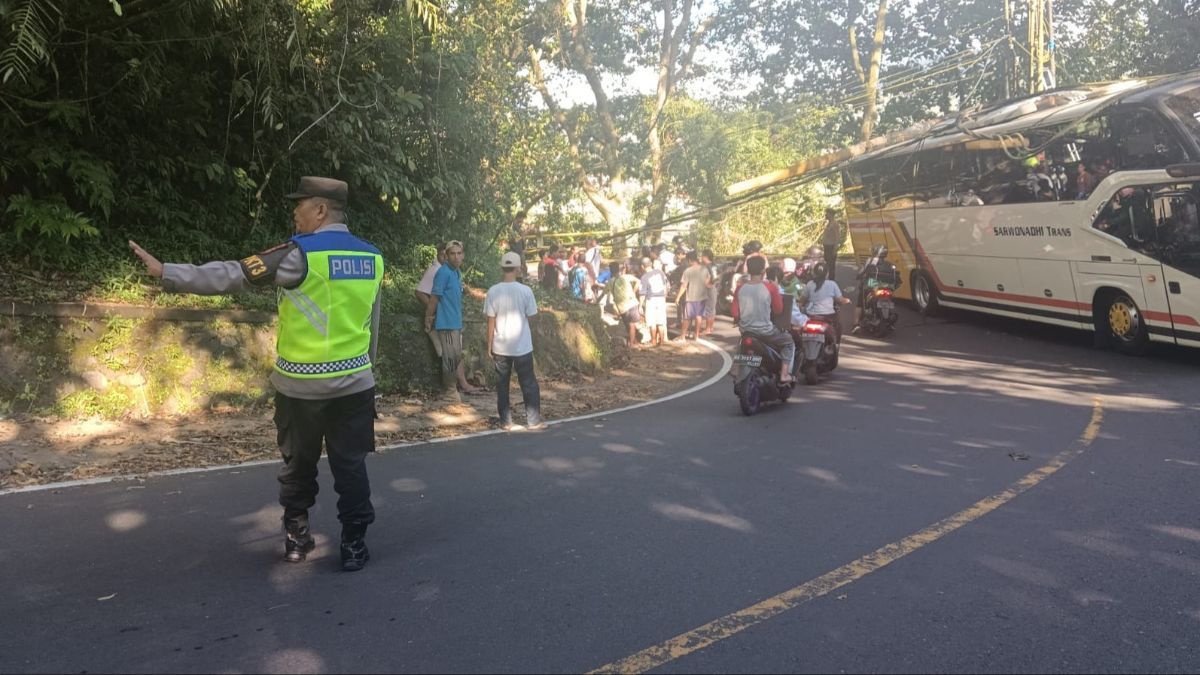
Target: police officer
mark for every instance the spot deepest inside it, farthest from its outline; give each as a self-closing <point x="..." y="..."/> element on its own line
<point x="328" y="282"/>
<point x="831" y="240"/>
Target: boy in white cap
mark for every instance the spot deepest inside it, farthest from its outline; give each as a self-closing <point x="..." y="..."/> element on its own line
<point x="508" y="306"/>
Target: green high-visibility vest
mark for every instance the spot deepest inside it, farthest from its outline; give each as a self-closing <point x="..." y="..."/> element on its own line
<point x="325" y="322"/>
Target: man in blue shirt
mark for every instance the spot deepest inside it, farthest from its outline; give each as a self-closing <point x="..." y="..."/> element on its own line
<point x="444" y="315"/>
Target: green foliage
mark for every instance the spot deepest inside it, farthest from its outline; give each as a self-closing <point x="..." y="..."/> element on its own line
<point x="718" y="148"/>
<point x="428" y="12"/>
<point x="1109" y="40"/>
<point x="940" y="57"/>
<point x="114" y="403"/>
<point x="115" y="348"/>
<point x="47" y="219"/>
<point x="182" y="125"/>
<point x="28" y="36"/>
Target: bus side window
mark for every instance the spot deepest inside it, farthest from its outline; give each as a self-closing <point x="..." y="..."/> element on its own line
<point x="934" y="184"/>
<point x="861" y="184"/>
<point x="1001" y="179"/>
<point x="1145" y="140"/>
<point x="895" y="180"/>
<point x="1128" y="216"/>
<point x="1177" y="240"/>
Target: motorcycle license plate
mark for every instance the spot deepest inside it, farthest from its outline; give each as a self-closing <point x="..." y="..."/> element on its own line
<point x="889" y="305"/>
<point x="750" y="360"/>
<point x="818" y="338"/>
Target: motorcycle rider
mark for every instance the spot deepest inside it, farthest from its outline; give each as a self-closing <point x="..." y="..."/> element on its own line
<point x="804" y="269"/>
<point x="878" y="269"/>
<point x="823" y="295"/>
<point x="749" y="249"/>
<point x="791" y="283"/>
<point x="754" y="302"/>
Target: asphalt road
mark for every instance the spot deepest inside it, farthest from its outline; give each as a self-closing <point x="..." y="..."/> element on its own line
<point x="579" y="546"/>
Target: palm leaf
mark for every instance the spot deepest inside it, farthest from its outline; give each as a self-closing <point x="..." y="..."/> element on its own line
<point x="28" y="42"/>
<point x="427" y="11"/>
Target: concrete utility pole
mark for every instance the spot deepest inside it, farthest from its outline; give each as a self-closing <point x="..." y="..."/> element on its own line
<point x="1040" y="34"/>
<point x="1050" y="43"/>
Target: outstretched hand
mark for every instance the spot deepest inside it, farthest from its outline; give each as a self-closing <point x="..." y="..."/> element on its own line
<point x="153" y="267"/>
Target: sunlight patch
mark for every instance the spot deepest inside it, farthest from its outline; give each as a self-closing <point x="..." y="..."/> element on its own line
<point x="681" y="512"/>
<point x="126" y="520"/>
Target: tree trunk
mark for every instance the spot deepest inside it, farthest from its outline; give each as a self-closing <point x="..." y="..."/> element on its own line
<point x="677" y="49"/>
<point x="611" y="209"/>
<point x="872" y="76"/>
<point x="666" y="64"/>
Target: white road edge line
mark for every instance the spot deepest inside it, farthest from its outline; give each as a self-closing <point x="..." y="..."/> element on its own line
<point x="726" y="364"/>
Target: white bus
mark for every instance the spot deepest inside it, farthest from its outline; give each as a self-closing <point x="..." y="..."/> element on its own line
<point x="1076" y="207"/>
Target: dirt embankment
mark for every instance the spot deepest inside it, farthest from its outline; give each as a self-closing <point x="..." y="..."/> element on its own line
<point x="38" y="450"/>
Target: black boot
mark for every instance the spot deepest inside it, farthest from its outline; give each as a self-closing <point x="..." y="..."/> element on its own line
<point x="297" y="540"/>
<point x="354" y="548"/>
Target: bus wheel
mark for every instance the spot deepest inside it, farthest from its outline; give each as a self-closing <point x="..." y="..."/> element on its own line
<point x="924" y="295"/>
<point x="1126" y="327"/>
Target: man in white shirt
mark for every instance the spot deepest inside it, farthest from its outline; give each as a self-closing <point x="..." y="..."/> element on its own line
<point x="565" y="264"/>
<point x="653" y="289"/>
<point x="667" y="258"/>
<point x="508" y="306"/>
<point x="593" y="257"/>
<point x="425" y="291"/>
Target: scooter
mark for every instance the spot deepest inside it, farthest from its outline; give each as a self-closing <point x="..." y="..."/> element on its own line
<point x="756" y="378"/>
<point x="879" y="310"/>
<point x="816" y="349"/>
<point x="880" y="281"/>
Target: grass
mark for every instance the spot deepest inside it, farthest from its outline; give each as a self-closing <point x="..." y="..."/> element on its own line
<point x="115" y="347"/>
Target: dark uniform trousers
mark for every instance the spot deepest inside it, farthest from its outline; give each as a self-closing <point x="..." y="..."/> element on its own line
<point x="347" y="427"/>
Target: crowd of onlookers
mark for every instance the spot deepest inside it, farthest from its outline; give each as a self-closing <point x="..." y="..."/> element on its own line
<point x="638" y="289"/>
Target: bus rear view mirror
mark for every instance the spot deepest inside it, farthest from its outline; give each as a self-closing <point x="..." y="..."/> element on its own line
<point x="1184" y="170"/>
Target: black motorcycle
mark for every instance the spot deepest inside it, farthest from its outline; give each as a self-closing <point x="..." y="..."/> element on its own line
<point x="756" y="375"/>
<point x="879" y="310"/>
<point x="879" y="280"/>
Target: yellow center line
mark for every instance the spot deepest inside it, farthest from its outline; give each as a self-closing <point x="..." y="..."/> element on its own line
<point x="732" y="624"/>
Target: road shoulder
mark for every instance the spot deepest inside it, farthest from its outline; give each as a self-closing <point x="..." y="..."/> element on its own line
<point x="42" y="451"/>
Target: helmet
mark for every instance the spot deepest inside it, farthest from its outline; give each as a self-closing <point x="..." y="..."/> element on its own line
<point x="880" y="251"/>
<point x="789" y="265"/>
<point x="752" y="246"/>
<point x="1030" y="162"/>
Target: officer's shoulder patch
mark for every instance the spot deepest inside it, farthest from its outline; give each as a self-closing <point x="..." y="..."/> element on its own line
<point x="254" y="268"/>
<point x="261" y="267"/>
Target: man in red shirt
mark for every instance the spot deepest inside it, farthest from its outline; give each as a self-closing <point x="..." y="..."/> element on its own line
<point x="550" y="269"/>
<point x="754" y="302"/>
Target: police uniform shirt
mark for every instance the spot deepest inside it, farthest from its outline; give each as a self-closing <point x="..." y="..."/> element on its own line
<point x="283" y="266"/>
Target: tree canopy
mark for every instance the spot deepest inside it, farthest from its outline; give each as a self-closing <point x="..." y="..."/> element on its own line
<point x="182" y="123"/>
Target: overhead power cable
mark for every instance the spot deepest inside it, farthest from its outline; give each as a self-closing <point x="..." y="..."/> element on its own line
<point x="859" y="100"/>
<point x="851" y="80"/>
<point x="898" y="83"/>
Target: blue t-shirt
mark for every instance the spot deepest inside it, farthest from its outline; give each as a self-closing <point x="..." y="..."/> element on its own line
<point x="447" y="286"/>
<point x="822" y="302"/>
<point x="579" y="278"/>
